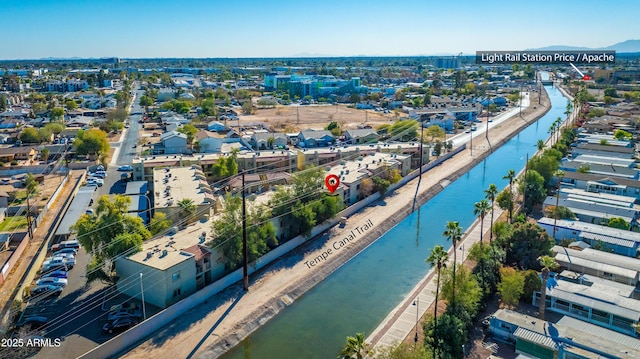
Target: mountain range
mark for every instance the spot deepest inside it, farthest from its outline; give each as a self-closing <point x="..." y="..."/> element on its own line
<point x="621" y="47"/>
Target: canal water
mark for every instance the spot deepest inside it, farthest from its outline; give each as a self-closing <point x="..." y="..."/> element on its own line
<point x="359" y="295"/>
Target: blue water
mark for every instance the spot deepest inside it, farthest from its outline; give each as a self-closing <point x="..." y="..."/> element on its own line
<point x="358" y="296"/>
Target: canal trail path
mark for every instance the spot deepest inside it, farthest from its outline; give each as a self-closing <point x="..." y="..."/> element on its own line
<point x="222" y="322"/>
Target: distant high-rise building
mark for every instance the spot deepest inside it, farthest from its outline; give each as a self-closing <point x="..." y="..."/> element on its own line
<point x="452" y="62"/>
<point x="109" y="60"/>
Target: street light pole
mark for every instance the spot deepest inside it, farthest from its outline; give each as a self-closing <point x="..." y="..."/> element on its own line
<point x="144" y="309"/>
<point x="417" y="304"/>
<point x="245" y="254"/>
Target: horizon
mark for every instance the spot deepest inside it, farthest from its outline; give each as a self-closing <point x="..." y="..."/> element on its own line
<point x="138" y="29"/>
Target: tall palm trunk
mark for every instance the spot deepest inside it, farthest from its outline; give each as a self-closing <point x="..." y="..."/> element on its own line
<point x="435" y="314"/>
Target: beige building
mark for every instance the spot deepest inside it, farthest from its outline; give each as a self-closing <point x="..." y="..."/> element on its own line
<point x="170" y="268"/>
<point x="173" y="184"/>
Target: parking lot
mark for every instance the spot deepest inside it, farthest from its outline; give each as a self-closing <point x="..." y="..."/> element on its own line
<point x="79" y="313"/>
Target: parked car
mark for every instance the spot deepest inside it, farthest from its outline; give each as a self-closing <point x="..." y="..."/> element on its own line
<point x="66" y="244"/>
<point x="60" y="282"/>
<point x="32" y="322"/>
<point x="120" y="324"/>
<point x="125" y="168"/>
<point x="96" y="174"/>
<point x="124" y="313"/>
<point x="57" y="263"/>
<point x="49" y="289"/>
<point x="65" y="250"/>
<point x="55" y="274"/>
<point x="63" y="255"/>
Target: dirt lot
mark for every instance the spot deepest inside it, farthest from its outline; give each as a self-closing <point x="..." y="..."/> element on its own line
<point x="316" y="117"/>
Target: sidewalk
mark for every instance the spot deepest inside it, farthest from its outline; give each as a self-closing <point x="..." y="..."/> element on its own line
<point x="9" y="290"/>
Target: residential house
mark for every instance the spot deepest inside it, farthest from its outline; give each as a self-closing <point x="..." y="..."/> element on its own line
<point x="267" y="140"/>
<point x="216" y="126"/>
<point x="593" y="300"/>
<point x="315" y="138"/>
<point x="80" y="122"/>
<point x="618" y="241"/>
<point x="597" y="263"/>
<point x="603" y="150"/>
<point x="361" y="135"/>
<point x="173" y="142"/>
<point x="597" y="183"/>
<point x="571" y="167"/>
<point x="568" y="338"/>
<point x="8" y="154"/>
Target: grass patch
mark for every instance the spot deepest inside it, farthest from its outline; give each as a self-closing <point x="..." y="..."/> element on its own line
<point x="11" y="223"/>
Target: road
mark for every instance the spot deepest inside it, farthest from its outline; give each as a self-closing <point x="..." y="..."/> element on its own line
<point x="462" y="138"/>
<point x="78" y="315"/>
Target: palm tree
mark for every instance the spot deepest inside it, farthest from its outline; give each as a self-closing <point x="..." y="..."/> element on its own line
<point x="540" y="144"/>
<point x="481" y="208"/>
<point x="187" y="209"/>
<point x="490" y="194"/>
<point x="355" y="348"/>
<point x="453" y="232"/>
<point x="511" y="176"/>
<point x="547" y="264"/>
<point x="437" y="258"/>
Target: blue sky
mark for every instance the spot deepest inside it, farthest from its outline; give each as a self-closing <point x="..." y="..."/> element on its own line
<point x="280" y="28"/>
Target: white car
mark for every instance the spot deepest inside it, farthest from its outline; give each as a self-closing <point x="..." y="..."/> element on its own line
<point x="60" y="282"/>
<point x="58" y="262"/>
<point x="95" y="181"/>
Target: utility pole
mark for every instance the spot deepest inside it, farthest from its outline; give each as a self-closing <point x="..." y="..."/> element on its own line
<point x="245" y="268"/>
<point x="421" y="149"/>
<point x="29" y="219"/>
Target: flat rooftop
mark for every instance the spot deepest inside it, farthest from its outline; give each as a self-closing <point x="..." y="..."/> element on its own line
<point x="77" y="208"/>
<point x="352" y="171"/>
<point x="173" y="184"/>
<point x="153" y="251"/>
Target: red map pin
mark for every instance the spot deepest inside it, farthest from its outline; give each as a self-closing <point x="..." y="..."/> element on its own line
<point x="586" y="77"/>
<point x="332" y="182"/>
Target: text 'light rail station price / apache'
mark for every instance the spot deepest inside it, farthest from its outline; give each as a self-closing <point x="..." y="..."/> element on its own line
<point x="544" y="57"/>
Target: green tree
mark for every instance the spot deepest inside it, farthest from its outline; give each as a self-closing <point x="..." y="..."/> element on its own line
<point x="91" y="142"/>
<point x="541" y="145"/>
<point x="403" y="351"/>
<point x="30" y="135"/>
<point x="532" y="283"/>
<point x="226" y="166"/>
<point x="453" y="233"/>
<point x="3" y="103"/>
<point x="451" y="333"/>
<point x="547" y="263"/>
<point x="437" y="258"/>
<point x="159" y="222"/>
<point x="334" y="127"/>
<point x="70" y="104"/>
<point x="511" y="286"/>
<point x="511" y="175"/>
<point x="533" y="189"/>
<point x="108" y="233"/>
<point x="56" y="114"/>
<point x="611" y="92"/>
<point x="584" y="169"/>
<point x="622" y="135"/>
<point x="227" y="233"/>
<point x="146" y="101"/>
<point x="190" y="131"/>
<point x="466" y="293"/>
<point x="187" y="210"/>
<point x="44" y="154"/>
<point x="506" y="201"/>
<point x="380" y="185"/>
<point x="526" y="244"/>
<point x="435" y="132"/>
<point x="355" y="348"/>
<point x="247" y="107"/>
<point x="54" y="127"/>
<point x="618" y="223"/>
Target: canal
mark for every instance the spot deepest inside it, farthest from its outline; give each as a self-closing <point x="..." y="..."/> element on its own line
<point x="358" y="296"/>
